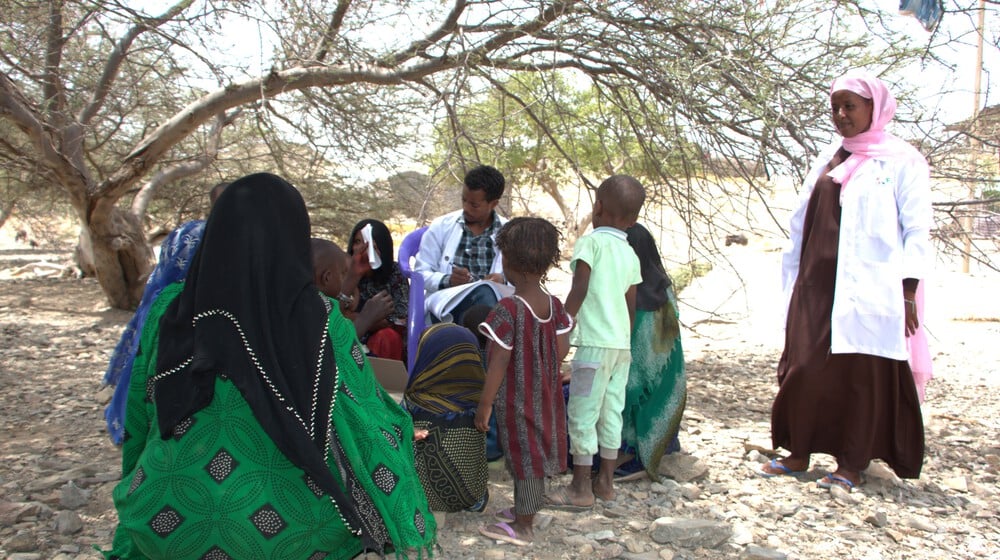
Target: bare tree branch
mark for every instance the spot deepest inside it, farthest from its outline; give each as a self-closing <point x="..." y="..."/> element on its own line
<point x="186" y="168"/>
<point x="336" y="20"/>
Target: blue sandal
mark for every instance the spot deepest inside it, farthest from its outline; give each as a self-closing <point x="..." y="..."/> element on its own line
<point x="832" y="479"/>
<point x="785" y="471"/>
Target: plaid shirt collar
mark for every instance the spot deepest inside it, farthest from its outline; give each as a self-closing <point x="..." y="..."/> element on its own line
<point x="477" y="252"/>
<point x="490" y="230"/>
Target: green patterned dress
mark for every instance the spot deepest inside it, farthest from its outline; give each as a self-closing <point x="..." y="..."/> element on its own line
<point x="220" y="488"/>
<point x="656" y="393"/>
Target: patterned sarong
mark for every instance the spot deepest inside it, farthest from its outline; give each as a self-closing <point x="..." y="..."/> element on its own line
<point x="442" y="397"/>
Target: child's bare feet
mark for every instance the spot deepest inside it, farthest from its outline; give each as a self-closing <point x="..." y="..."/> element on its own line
<point x="523" y="527"/>
<point x="604" y="482"/>
<point x="604" y="490"/>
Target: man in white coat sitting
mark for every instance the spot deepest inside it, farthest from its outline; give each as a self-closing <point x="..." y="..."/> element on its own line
<point x="458" y="258"/>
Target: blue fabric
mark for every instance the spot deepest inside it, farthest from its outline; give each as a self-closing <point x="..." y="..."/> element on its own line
<point x="928" y="12"/>
<point x="176" y="254"/>
<point x="494" y="451"/>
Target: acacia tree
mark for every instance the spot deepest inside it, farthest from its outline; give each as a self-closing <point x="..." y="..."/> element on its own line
<point x="114" y="101"/>
<point x="726" y="97"/>
<point x="554" y="138"/>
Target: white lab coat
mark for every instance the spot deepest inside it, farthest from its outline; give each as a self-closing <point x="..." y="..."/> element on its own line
<point x="885" y="224"/>
<point x="438" y="246"/>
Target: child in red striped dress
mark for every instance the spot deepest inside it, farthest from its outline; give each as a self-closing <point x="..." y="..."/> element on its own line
<point x="528" y="336"/>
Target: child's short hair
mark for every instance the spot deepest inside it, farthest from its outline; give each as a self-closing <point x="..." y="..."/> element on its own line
<point x="622" y="196"/>
<point x="529" y="244"/>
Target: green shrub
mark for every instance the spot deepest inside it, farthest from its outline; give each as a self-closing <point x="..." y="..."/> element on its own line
<point x="685" y="274"/>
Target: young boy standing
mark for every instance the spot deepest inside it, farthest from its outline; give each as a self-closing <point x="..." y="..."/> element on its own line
<point x="602" y="298"/>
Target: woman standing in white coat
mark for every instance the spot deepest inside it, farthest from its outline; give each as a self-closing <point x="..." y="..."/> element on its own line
<point x="860" y="247"/>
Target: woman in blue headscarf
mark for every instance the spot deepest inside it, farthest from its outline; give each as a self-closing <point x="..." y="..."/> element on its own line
<point x="176" y="253"/>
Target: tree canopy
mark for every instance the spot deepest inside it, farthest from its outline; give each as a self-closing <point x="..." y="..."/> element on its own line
<point x="107" y="103"/>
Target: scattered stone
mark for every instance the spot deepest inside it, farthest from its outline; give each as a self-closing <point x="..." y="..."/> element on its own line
<point x="774" y="542"/>
<point x="956" y="483"/>
<point x="690" y="533"/>
<point x="104" y="395"/>
<point x="895" y="535"/>
<point x="690" y="491"/>
<point x="606" y="535"/>
<point x="742" y="534"/>
<point x="53" y="481"/>
<point x="648" y="555"/>
<point x="842" y="495"/>
<point x="68" y="523"/>
<point x="755" y="456"/>
<point x="613" y="550"/>
<point x="12" y="513"/>
<point x="637" y="525"/>
<point x="633" y="545"/>
<point x="72" y="497"/>
<point x="921" y="524"/>
<point x="982" y="490"/>
<point x="53" y="439"/>
<point x="878" y="470"/>
<point x="683" y="468"/>
<point x="99" y="478"/>
<point x="616" y="512"/>
<point x="665" y="486"/>
<point x="788" y="510"/>
<point x="878" y="519"/>
<point x="576" y="540"/>
<point x="754" y="552"/>
<point x="21" y="542"/>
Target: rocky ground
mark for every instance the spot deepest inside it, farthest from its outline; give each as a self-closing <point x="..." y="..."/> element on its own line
<point x="57" y="467"/>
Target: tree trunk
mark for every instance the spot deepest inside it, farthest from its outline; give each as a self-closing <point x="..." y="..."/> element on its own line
<point x="6" y="211"/>
<point x="120" y="256"/>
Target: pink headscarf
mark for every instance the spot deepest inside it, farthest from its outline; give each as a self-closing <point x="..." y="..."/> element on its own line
<point x="874" y="142"/>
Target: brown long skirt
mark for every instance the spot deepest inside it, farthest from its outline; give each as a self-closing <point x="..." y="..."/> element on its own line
<point x="855" y="407"/>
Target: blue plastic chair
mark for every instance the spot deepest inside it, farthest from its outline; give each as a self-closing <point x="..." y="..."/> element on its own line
<point x="415" y="314"/>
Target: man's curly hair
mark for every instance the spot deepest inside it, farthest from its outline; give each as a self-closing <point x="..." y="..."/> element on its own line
<point x="529" y="244"/>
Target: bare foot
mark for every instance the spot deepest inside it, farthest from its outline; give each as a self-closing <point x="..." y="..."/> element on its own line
<point x="604" y="490"/>
<point x="604" y="483"/>
<point x="524" y="529"/>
